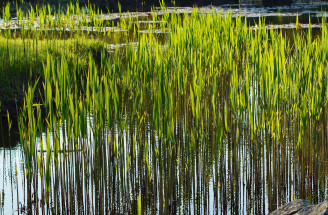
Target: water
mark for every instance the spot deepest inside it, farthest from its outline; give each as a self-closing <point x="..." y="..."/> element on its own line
<point x="243" y="175"/>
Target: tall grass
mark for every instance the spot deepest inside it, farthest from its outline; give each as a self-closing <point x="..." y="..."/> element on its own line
<point x="146" y="128"/>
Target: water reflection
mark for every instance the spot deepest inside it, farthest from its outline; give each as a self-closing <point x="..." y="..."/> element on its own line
<point x="192" y="174"/>
<point x="191" y="171"/>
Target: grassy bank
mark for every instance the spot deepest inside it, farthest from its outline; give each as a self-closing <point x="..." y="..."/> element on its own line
<point x="22" y="62"/>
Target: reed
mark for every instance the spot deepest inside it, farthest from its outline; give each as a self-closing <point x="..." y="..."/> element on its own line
<point x="145" y="128"/>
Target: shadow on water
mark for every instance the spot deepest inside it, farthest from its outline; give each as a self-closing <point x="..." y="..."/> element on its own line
<point x="280" y="20"/>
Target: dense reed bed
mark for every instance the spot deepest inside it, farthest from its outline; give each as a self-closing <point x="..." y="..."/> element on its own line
<point x="213" y="116"/>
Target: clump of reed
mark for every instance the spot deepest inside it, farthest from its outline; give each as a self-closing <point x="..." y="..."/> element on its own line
<point x="145" y="129"/>
<point x="26" y="40"/>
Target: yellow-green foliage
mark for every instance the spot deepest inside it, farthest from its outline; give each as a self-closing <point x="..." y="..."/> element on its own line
<point x="28" y="54"/>
<point x="210" y="77"/>
<point x="22" y="60"/>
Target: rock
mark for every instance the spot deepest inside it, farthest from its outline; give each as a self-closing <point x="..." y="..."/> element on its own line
<point x="302" y="207"/>
<point x="321" y="208"/>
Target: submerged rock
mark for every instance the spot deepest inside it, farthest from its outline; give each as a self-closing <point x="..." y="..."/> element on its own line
<point x="302" y="207"/>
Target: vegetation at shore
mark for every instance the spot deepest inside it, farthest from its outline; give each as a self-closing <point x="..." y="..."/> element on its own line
<point x="174" y="104"/>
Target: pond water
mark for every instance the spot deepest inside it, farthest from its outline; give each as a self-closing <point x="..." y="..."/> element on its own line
<point x="243" y="175"/>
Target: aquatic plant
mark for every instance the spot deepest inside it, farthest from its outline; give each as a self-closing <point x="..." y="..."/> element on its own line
<point x="144" y="128"/>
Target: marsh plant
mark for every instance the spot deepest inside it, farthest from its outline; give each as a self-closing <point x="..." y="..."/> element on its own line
<point x="202" y="117"/>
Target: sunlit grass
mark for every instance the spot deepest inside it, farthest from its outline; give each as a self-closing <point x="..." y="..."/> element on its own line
<point x="159" y="105"/>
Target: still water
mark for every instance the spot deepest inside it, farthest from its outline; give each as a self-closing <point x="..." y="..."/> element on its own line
<point x="245" y="174"/>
